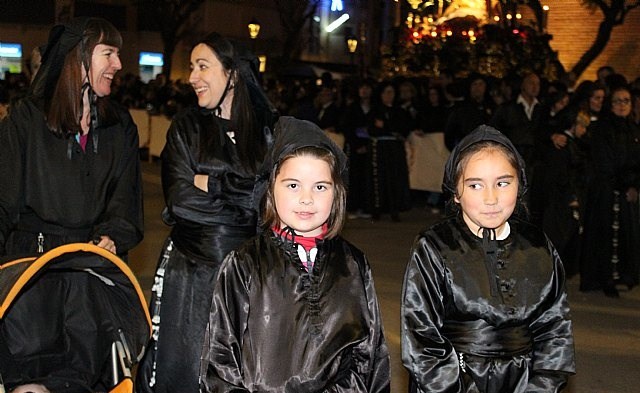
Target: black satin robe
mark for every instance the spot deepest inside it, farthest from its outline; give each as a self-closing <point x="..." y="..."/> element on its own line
<point x="274" y="327"/>
<point x="206" y="226"/>
<point x="517" y="341"/>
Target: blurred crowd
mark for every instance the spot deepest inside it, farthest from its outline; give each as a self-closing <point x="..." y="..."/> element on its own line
<point x="580" y="142"/>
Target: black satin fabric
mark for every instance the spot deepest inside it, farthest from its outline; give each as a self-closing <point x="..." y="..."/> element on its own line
<point x="518" y="341"/>
<point x="206" y="227"/>
<point x="227" y="209"/>
<point x="274" y="327"/>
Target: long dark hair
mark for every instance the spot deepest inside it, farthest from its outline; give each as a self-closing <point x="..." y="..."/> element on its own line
<point x="64" y="106"/>
<point x="250" y="107"/>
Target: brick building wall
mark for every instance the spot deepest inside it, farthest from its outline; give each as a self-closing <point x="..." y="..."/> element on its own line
<point x="574" y="29"/>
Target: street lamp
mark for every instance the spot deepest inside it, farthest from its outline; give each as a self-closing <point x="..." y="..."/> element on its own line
<point x="352" y="45"/>
<point x="254" y="28"/>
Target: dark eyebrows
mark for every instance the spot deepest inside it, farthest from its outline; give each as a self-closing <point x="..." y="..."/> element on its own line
<point x="502" y="177"/>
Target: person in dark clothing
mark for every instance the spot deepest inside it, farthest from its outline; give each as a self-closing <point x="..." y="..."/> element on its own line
<point x="564" y="182"/>
<point x="355" y="122"/>
<point x="328" y="112"/>
<point x="522" y="122"/>
<point x="611" y="246"/>
<point x="427" y="151"/>
<point x="484" y="303"/>
<point x="295" y="308"/>
<point x="408" y="101"/>
<point x="69" y="167"/>
<point x="212" y="186"/>
<point x="476" y="109"/>
<point x="390" y="177"/>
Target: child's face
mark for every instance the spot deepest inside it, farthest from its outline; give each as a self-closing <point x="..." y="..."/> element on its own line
<point x="303" y="194"/>
<point x="487" y="191"/>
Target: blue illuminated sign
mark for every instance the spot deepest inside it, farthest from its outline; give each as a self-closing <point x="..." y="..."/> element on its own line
<point x="8" y="49"/>
<point x="151" y="58"/>
<point x="336" y="5"/>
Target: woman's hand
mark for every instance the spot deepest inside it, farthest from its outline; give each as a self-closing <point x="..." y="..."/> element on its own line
<point x="202" y="182"/>
<point x="106" y="243"/>
<point x="559" y="140"/>
<point x="31" y="388"/>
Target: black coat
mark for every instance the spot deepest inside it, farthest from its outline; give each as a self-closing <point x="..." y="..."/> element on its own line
<point x="50" y="185"/>
<point x="458" y="337"/>
<point x="274" y="327"/>
<point x="206" y="226"/>
<point x="611" y="247"/>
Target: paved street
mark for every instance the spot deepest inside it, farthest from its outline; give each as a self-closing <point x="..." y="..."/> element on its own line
<point x="607" y="331"/>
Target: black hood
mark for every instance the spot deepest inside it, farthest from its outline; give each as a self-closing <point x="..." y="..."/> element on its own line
<point x="292" y="134"/>
<point x="489" y="243"/>
<point x="62" y="39"/>
<point x="480" y="134"/>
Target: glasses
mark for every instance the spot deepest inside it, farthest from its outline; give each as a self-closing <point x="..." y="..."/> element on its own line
<point x="621" y="101"/>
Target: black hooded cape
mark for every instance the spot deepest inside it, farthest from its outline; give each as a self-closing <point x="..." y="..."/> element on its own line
<point x="206" y="226"/>
<point x="458" y="335"/>
<point x="274" y="327"/>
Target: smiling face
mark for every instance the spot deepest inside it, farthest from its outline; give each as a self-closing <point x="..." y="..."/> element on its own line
<point x="303" y="193"/>
<point x="487" y="191"/>
<point x="105" y="62"/>
<point x="208" y="77"/>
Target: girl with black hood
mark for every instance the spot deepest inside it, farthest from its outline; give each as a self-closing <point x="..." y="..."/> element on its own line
<point x="294" y="309"/>
<point x="69" y="166"/>
<point x="484" y="303"/>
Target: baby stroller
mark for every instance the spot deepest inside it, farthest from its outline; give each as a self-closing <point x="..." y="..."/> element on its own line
<point x="73" y="319"/>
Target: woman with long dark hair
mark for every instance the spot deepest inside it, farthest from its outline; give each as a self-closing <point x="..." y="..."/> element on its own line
<point x="212" y="186"/>
<point x="69" y="166"/>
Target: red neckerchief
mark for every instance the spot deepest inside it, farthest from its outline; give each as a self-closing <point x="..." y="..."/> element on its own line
<point x="307" y="242"/>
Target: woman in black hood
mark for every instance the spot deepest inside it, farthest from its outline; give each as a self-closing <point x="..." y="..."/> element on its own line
<point x="69" y="166"/>
<point x="484" y="303"/>
<point x="69" y="172"/>
<point x="212" y="186"/>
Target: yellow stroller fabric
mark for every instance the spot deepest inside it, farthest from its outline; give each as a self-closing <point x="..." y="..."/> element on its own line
<point x="73" y="319"/>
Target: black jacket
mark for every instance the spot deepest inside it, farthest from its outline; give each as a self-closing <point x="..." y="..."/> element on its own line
<point x="481" y="314"/>
<point x="50" y="185"/>
<point x="274" y="327"/>
<point x="230" y="207"/>
<point x="457" y="337"/>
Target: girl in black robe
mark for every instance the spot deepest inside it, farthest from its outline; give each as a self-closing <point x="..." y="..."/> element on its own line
<point x="484" y="305"/>
<point x="212" y="185"/>
<point x="295" y="309"/>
